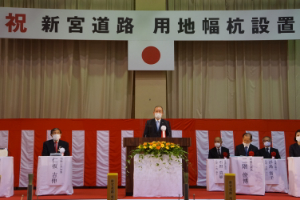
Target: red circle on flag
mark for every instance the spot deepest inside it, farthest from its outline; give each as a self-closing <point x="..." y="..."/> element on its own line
<point x="151" y="55"/>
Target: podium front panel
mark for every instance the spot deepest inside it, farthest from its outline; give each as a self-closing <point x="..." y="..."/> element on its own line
<point x="54" y="175"/>
<point x="7" y="176"/>
<point x="154" y="177"/>
<point x="250" y="174"/>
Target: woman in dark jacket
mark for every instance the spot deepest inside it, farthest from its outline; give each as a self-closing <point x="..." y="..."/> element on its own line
<point x="295" y="148"/>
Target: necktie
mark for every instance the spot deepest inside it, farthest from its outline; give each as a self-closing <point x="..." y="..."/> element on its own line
<point x="157" y="125"/>
<point x="267" y="149"/>
<point x="219" y="153"/>
<point x="55" y="146"/>
<point x="246" y="150"/>
<point x="268" y="152"/>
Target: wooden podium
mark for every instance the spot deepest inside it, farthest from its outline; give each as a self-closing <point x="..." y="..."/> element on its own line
<point x="132" y="143"/>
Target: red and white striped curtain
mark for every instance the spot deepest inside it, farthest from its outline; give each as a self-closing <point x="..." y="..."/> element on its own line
<point x="97" y="147"/>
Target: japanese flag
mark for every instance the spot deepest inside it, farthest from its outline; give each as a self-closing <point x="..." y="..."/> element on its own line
<point x="151" y="55"/>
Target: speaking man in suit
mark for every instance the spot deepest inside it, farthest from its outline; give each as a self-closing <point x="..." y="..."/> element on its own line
<point x="218" y="151"/>
<point x="294" y="150"/>
<point x="246" y="147"/>
<point x="268" y="151"/>
<point x="55" y="145"/>
<point x="153" y="126"/>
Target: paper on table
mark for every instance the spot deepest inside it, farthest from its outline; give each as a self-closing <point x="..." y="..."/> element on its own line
<point x="221" y="167"/>
<point x="271" y="171"/>
<point x="55" y="169"/>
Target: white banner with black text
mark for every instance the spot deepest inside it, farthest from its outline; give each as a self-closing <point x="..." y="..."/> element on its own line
<point x="149" y="25"/>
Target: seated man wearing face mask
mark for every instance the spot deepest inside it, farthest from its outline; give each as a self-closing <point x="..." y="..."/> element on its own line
<point x="267" y="151"/>
<point x="246" y="147"/>
<point x="55" y="145"/>
<point x="153" y="126"/>
<point x="218" y="151"/>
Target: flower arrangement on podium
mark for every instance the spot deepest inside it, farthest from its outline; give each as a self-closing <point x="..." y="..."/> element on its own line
<point x="157" y="149"/>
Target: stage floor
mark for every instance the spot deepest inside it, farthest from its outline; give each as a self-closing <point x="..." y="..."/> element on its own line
<point x="100" y="193"/>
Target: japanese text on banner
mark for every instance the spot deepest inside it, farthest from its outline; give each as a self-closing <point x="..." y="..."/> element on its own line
<point x="221" y="167"/>
<point x="56" y="172"/>
<point x="271" y="171"/>
<point x="149" y="25"/>
<point x="248" y="176"/>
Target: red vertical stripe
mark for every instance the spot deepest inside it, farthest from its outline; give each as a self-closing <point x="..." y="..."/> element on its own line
<point x="115" y="154"/>
<point x="90" y="162"/>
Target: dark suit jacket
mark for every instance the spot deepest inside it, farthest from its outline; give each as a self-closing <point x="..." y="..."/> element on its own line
<point x="240" y="150"/>
<point x="213" y="153"/>
<point x="151" y="130"/>
<point x="265" y="154"/>
<point x="294" y="150"/>
<point x="48" y="147"/>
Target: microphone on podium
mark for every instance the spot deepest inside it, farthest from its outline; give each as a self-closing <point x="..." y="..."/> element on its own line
<point x="163" y="129"/>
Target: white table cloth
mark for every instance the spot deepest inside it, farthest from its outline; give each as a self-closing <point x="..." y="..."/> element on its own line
<point x="211" y="183"/>
<point x="155" y="178"/>
<point x="249" y="174"/>
<point x="282" y="185"/>
<point x="54" y="175"/>
<point x="294" y="176"/>
<point x="7" y="176"/>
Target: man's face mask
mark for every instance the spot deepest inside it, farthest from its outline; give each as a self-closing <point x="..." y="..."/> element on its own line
<point x="157" y="115"/>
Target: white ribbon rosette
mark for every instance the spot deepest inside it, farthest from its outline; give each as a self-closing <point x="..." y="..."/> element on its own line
<point x="62" y="150"/>
<point x="163" y="128"/>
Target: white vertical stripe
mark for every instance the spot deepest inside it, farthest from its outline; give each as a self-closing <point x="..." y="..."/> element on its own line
<point x="202" y="155"/>
<point x="27" y="155"/>
<point x="48" y="135"/>
<point x="124" y="134"/>
<point x="4" y="139"/>
<point x="278" y="141"/>
<point x="176" y="133"/>
<point x="78" y="158"/>
<point x="228" y="141"/>
<point x="102" y="157"/>
<point x="255" y="138"/>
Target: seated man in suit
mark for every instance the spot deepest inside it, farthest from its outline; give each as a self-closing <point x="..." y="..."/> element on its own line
<point x="246" y="147"/>
<point x="153" y="126"/>
<point x="55" y="145"/>
<point x="267" y="151"/>
<point x="218" y="151"/>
